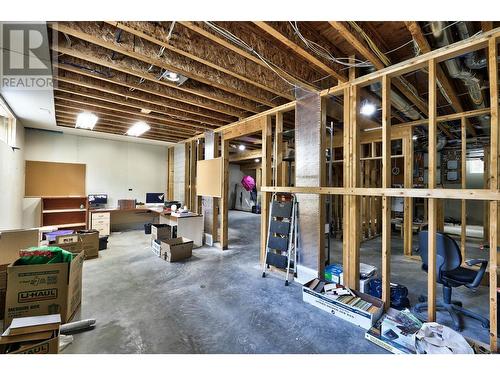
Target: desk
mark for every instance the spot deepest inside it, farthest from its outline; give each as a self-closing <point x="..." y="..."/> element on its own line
<point x="106" y="219"/>
<point x="187" y="226"/>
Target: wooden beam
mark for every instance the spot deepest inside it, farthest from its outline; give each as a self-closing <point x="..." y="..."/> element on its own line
<point x="419" y="37"/>
<point x="169" y="96"/>
<point x="248" y="155"/>
<point x="145" y="98"/>
<point x="130" y="104"/>
<point x="299" y="50"/>
<point x="63" y="109"/>
<point x="267" y="146"/>
<point x="365" y="52"/>
<point x="211" y="98"/>
<point x="463" y="166"/>
<point x="469" y="194"/>
<point x="278" y="156"/>
<point x="157" y="120"/>
<point x="494" y="173"/>
<point x="103" y="35"/>
<point x="292" y="76"/>
<point x="224" y="240"/>
<point x="189" y="45"/>
<point x="386" y="183"/>
<point x="431" y="249"/>
<point x="408" y="184"/>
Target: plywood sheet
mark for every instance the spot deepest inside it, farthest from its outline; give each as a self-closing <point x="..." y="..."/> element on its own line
<point x="45" y="179"/>
<point x="209" y="178"/>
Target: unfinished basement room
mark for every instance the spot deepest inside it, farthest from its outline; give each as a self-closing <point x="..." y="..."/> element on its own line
<point x="172" y="185"/>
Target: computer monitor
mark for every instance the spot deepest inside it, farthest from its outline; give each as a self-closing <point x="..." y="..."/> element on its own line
<point x="98" y="199"/>
<point x="155" y="198"/>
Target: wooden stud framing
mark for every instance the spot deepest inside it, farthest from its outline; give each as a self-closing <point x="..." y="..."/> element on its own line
<point x="408" y="184"/>
<point x="494" y="186"/>
<point x="386" y="183"/>
<point x="278" y="156"/>
<point x="463" y="229"/>
<point x="431" y="256"/>
<point x="266" y="181"/>
<point x="170" y="167"/>
<point x="224" y="241"/>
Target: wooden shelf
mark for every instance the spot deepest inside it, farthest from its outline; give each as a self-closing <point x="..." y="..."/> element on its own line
<point x="70" y="225"/>
<point x="64" y="210"/>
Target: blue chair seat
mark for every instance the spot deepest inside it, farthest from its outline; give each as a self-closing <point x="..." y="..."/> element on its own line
<point x="460" y="274"/>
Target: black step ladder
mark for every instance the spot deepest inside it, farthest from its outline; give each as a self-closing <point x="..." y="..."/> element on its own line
<point x="281" y="241"/>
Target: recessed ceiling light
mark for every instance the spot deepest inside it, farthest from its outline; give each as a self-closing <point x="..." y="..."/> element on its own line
<point x="367" y="109"/>
<point x="257" y="160"/>
<point x="138" y="129"/>
<point x="146" y="111"/>
<point x="86" y="120"/>
<point x="241" y="147"/>
<point x="171" y="76"/>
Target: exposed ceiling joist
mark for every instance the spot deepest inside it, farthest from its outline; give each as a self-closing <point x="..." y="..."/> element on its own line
<point x="147" y="53"/>
<point x="186" y="43"/>
<point x="96" y="92"/>
<point x="366" y="53"/>
<point x="204" y="95"/>
<point x="119" y="79"/>
<point x="288" y="70"/>
<point x="129" y="108"/>
<point x="73" y="109"/>
<point x="300" y="51"/>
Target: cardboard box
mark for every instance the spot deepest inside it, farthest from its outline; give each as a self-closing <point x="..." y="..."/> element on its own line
<point x="156" y="247"/>
<point x="70" y="242"/>
<point x="90" y="243"/>
<point x="44" y="289"/>
<point x="349" y="313"/>
<point x="161" y="232"/>
<point x="50" y="346"/>
<point x="334" y="273"/>
<point x="177" y="249"/>
<point x="11" y="241"/>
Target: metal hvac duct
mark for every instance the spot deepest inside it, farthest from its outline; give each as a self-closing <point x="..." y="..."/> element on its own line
<point x="443" y="38"/>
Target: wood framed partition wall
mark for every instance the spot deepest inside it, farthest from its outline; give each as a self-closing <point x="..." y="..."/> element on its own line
<point x="352" y="141"/>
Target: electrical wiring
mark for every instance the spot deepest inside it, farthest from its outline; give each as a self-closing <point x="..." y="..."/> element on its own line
<point x="385" y="60"/>
<point x="234" y="39"/>
<point x="324" y="53"/>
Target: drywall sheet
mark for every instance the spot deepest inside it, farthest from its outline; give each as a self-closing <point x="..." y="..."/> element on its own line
<point x="44" y="179"/>
<point x="209" y="178"/>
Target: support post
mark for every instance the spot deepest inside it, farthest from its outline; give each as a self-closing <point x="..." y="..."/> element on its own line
<point x="224" y="222"/>
<point x="278" y="157"/>
<point x="267" y="145"/>
<point x="433" y="204"/>
<point x="494" y="186"/>
<point x="463" y="231"/>
<point x="386" y="183"/>
<point x="408" y="184"/>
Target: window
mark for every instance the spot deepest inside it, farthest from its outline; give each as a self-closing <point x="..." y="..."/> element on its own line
<point x="7" y="124"/>
<point x="475" y="166"/>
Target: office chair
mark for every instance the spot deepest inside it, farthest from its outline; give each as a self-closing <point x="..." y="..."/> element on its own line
<point x="450" y="274"/>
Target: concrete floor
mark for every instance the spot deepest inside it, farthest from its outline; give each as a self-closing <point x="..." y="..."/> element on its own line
<point x="217" y="302"/>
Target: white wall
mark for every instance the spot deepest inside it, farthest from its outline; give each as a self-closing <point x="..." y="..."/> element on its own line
<point x="12" y="182"/>
<point x="179" y="172"/>
<point x="113" y="167"/>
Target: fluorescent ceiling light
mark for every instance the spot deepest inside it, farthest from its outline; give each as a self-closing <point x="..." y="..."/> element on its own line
<point x="367" y="109"/>
<point x="241" y="147"/>
<point x="86" y="120"/>
<point x="138" y="129"/>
